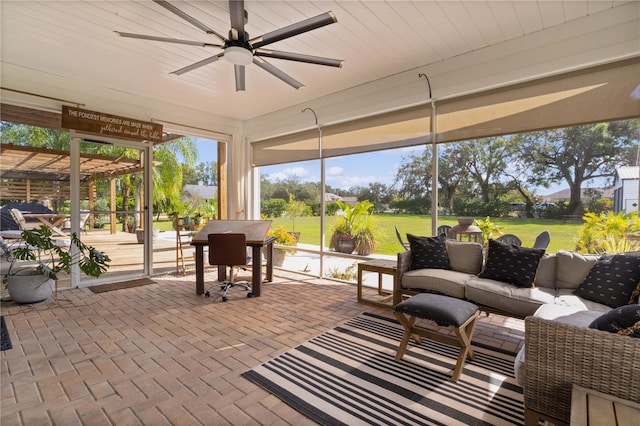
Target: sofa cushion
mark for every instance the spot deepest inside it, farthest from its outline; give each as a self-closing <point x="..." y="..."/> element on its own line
<point x="566" y="298"/>
<point x="546" y="273"/>
<point x="572" y="268"/>
<point x="612" y="280"/>
<point x="624" y="320"/>
<point x="511" y="264"/>
<point x="450" y="283"/>
<point x="518" y="301"/>
<point x="428" y="252"/>
<point x="464" y="256"/>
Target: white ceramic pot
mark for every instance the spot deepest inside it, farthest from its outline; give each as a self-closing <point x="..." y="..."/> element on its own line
<point x="29" y="287"/>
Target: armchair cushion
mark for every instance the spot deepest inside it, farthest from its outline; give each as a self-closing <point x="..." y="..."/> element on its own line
<point x="511" y="264"/>
<point x="428" y="252"/>
<point x="612" y="280"/>
<point x="624" y="320"/>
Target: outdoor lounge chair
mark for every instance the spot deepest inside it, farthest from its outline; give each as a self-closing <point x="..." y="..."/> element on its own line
<point x="542" y="240"/>
<point x="443" y="230"/>
<point x="22" y="222"/>
<point x="510" y="239"/>
<point x="405" y="245"/>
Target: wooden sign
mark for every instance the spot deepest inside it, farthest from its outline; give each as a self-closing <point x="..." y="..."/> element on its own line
<point x="110" y="125"/>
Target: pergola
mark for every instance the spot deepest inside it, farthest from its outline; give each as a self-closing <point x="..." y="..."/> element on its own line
<point x="34" y="174"/>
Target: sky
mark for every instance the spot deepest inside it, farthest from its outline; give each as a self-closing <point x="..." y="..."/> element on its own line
<point x="346" y="171"/>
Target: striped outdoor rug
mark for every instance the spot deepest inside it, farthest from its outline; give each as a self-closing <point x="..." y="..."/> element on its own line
<point x="349" y="376"/>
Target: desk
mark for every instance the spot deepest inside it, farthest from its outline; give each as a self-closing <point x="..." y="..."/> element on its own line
<point x="256" y="234"/>
<point x="589" y="407"/>
<point x="380" y="266"/>
<point x="51" y="220"/>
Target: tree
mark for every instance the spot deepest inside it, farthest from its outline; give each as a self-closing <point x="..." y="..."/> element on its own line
<point x="167" y="176"/>
<point x="576" y="154"/>
<point x="412" y="183"/>
<point x="451" y="173"/>
<point x="485" y="160"/>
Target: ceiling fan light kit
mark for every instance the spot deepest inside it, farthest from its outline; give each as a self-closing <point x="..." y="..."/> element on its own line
<point x="238" y="55"/>
<point x="239" y="50"/>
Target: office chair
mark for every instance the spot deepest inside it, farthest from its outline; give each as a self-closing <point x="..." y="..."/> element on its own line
<point x="228" y="249"/>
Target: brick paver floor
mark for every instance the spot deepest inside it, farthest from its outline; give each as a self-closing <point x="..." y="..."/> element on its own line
<point x="160" y="355"/>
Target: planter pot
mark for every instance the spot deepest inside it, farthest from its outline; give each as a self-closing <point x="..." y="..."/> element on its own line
<point x="140" y="235"/>
<point x="345" y="245"/>
<point x="187" y="220"/>
<point x="29" y="288"/>
<point x="278" y="256"/>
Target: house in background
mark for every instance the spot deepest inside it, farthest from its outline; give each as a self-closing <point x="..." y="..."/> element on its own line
<point x="205" y="192"/>
<point x="625" y="185"/>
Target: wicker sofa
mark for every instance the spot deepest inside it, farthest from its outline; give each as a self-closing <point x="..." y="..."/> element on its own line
<point x="560" y="354"/>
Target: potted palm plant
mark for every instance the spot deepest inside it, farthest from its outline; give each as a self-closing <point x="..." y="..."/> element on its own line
<point x="353" y="229"/>
<point x="35" y="264"/>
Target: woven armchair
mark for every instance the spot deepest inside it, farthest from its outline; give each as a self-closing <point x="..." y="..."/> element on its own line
<point x="559" y="356"/>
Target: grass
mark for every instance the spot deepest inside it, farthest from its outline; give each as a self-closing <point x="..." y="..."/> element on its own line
<point x="563" y="235"/>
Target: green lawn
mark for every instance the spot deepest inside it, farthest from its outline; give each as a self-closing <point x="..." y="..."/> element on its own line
<point x="563" y="235"/>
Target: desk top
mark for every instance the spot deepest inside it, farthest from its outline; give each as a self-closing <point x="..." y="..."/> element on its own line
<point x="255" y="230"/>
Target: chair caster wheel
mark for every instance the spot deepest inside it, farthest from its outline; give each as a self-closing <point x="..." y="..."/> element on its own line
<point x="207" y="294"/>
<point x="224" y="298"/>
<point x="249" y="295"/>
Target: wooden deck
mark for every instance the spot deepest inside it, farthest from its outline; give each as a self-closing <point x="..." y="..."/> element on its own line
<point x="127" y="256"/>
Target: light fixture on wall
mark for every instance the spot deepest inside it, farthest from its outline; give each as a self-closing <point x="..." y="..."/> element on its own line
<point x="238" y="55"/>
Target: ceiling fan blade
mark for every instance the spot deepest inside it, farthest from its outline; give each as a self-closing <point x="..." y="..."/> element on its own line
<point x="239" y="70"/>
<point x="276" y="72"/>
<point x="193" y="21"/>
<point x="294" y="29"/>
<point x="278" y="54"/>
<point x="198" y="64"/>
<point x="167" y="39"/>
<point x="236" y="12"/>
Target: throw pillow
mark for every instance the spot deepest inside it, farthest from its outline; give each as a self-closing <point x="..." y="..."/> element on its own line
<point x="511" y="264"/>
<point x="428" y="252"/>
<point x="612" y="280"/>
<point x="464" y="256"/>
<point x="624" y="320"/>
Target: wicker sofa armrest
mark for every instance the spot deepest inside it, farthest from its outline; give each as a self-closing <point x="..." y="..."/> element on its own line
<point x="559" y="356"/>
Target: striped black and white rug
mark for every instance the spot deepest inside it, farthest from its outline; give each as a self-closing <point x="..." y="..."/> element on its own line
<point x="349" y="375"/>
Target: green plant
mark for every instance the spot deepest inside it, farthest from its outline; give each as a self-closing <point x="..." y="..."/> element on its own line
<point x="347" y="274"/>
<point x="283" y="237"/>
<point x="609" y="232"/>
<point x="489" y="229"/>
<point x="355" y="224"/>
<point x="295" y="209"/>
<point x="40" y="250"/>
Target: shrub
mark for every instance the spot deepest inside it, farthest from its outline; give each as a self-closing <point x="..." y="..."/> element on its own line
<point x="609" y="232"/>
<point x="274" y="207"/>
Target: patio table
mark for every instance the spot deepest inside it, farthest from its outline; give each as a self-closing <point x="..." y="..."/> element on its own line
<point x="51" y="220"/>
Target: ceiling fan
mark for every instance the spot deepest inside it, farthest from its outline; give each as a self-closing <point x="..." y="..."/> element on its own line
<point x="241" y="50"/>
